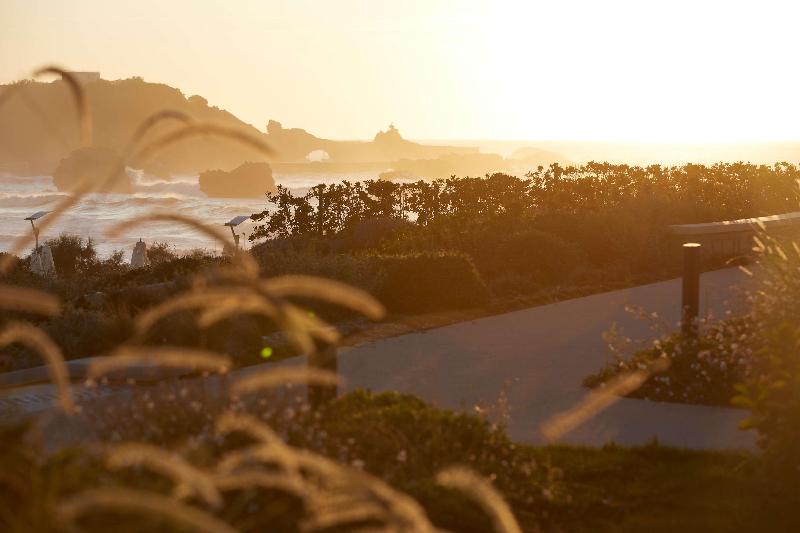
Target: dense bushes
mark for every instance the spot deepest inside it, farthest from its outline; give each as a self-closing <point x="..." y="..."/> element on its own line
<point x="100" y="297"/>
<point x="397" y="438"/>
<point x="404" y="283"/>
<point x="687" y="194"/>
<point x="75" y="256"/>
<point x="429" y="282"/>
<point x="403" y="441"/>
<point x="590" y="225"/>
<point x="542" y="256"/>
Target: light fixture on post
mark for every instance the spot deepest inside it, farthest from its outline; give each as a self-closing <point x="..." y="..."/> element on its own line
<point x="232" y="223"/>
<point x="36" y="216"/>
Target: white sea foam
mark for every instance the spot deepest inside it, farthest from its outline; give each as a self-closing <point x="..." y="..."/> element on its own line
<point x="21" y="196"/>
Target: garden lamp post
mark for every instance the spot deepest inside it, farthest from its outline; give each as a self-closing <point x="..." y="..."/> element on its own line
<point x="232" y="223"/>
<point x="690" y="295"/>
<point x="36" y="216"/>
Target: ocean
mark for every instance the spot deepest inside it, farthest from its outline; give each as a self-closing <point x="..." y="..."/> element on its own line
<point x="20" y="197"/>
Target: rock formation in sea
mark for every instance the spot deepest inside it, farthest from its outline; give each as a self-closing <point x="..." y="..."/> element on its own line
<point x="249" y="180"/>
<point x="102" y="167"/>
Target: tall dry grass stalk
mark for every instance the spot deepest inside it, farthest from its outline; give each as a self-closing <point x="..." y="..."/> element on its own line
<point x="229" y="422"/>
<point x="41" y="343"/>
<point x="214" y="300"/>
<point x="269" y="449"/>
<point x="302" y="328"/>
<point x="188" y="479"/>
<point x="27" y="239"/>
<point x="598" y="400"/>
<point x="85" y="124"/>
<point x="192" y="223"/>
<point x="189" y="129"/>
<point x="142" y="502"/>
<point x="164" y="357"/>
<point x="242" y="260"/>
<point x="261" y="480"/>
<point x="278" y="377"/>
<point x="201" y="129"/>
<point x="470" y="483"/>
<point x="79" y="97"/>
<point x="340" y="513"/>
<point x="334" y="495"/>
<point x="29" y="301"/>
<point x="152" y="121"/>
<point x="232" y="307"/>
<point x="329" y="290"/>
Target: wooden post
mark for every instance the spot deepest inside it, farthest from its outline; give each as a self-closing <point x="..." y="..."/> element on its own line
<point x="690" y="296"/>
<point x="324" y="358"/>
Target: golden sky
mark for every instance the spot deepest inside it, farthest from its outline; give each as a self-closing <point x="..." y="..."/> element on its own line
<point x="443" y="69"/>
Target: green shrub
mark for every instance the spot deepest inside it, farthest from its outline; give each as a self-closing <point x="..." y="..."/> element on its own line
<point x="540" y="256"/>
<point x="702" y="371"/>
<point x="72" y="255"/>
<point x="161" y="252"/>
<point x="398" y="438"/>
<point x="83" y="333"/>
<point x="429" y="282"/>
<point x="773" y="396"/>
<point x="316" y="257"/>
<point x="772" y="391"/>
<point x="406" y="441"/>
<point x="370" y="233"/>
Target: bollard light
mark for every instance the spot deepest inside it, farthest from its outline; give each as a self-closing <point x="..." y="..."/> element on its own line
<point x="690" y="295"/>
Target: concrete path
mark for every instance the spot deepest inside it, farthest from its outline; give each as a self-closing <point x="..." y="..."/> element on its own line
<point x="540" y="355"/>
<point x="537" y="357"/>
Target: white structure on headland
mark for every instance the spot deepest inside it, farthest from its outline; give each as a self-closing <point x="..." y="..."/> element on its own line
<point x="85" y="77"/>
<point x="42" y="262"/>
<point x="139" y="257"/>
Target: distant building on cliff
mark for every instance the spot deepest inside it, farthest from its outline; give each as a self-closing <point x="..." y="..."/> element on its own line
<point x="85" y="77"/>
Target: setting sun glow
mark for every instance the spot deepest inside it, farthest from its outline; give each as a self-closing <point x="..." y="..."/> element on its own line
<point x="677" y="71"/>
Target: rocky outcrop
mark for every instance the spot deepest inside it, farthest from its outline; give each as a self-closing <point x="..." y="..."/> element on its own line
<point x="102" y="167"/>
<point x="294" y="144"/>
<point x="250" y="180"/>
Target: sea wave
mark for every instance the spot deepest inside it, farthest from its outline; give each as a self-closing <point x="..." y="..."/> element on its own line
<point x="95" y="213"/>
<point x="30" y="200"/>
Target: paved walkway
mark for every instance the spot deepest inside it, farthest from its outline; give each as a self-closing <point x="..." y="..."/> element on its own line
<point x="537" y="357"/>
<point x="540" y="356"/>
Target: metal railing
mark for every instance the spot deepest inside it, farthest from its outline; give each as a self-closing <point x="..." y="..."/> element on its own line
<point x="735" y="236"/>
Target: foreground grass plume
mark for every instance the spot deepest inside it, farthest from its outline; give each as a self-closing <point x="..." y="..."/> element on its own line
<point x="598" y="400"/>
<point x="130" y="500"/>
<point x="29" y="300"/>
<point x="41" y="343"/>
<point x="480" y="490"/>
<point x="277" y="377"/>
<point x="188" y="479"/>
<point x="166" y="357"/>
